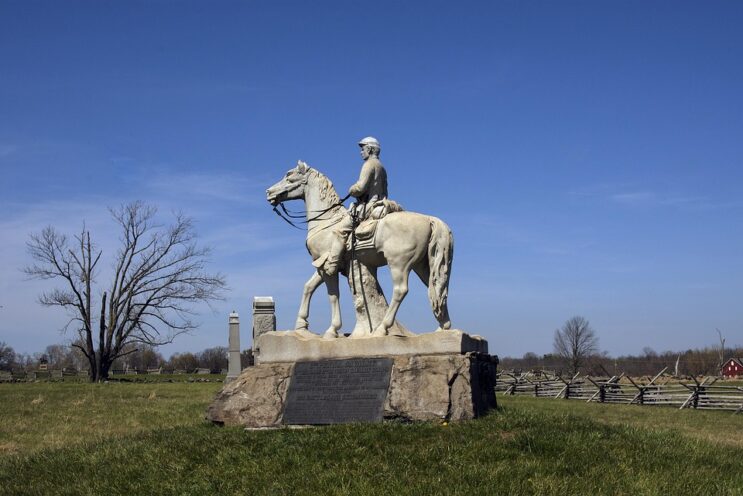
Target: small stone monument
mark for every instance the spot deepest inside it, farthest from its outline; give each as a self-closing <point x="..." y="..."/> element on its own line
<point x="234" y="368"/>
<point x="264" y="316"/>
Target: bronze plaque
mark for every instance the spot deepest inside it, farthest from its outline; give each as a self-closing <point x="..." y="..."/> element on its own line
<point x="338" y="391"/>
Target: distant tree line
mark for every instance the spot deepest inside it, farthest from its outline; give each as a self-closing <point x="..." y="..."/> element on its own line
<point x="692" y="362"/>
<point x="576" y="349"/>
<point x="139" y="358"/>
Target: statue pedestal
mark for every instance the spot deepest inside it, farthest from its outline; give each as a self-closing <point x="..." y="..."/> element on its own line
<point x="443" y="375"/>
<point x="295" y="346"/>
<point x="449" y="386"/>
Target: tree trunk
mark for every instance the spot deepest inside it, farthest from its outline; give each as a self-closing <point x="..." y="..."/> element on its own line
<point x="93" y="370"/>
<point x="102" y="356"/>
<point x="103" y="370"/>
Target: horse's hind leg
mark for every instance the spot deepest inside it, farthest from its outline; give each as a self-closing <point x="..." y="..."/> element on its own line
<point x="400" y="276"/>
<point x="421" y="268"/>
<point x="304" y="307"/>
<point x="443" y="318"/>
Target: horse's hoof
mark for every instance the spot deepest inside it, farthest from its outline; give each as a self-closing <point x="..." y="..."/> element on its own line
<point x="330" y="334"/>
<point x="379" y="332"/>
<point x="445" y="327"/>
<point x="302" y="325"/>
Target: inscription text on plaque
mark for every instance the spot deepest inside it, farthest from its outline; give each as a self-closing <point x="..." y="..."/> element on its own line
<point x="338" y="391"/>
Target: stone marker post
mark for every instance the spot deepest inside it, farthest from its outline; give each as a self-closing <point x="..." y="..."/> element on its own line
<point x="264" y="318"/>
<point x="234" y="368"/>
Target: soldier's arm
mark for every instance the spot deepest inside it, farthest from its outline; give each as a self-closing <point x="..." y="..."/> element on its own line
<point x="365" y="179"/>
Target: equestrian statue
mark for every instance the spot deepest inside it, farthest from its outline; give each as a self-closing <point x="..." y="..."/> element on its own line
<point x="373" y="233"/>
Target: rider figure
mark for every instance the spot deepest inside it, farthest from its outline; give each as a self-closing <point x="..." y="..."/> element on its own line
<point x="370" y="188"/>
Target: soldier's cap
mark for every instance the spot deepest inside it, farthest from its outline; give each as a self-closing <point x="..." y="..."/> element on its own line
<point x="369" y="140"/>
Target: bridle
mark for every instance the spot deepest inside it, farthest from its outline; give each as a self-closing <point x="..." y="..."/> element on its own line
<point x="287" y="215"/>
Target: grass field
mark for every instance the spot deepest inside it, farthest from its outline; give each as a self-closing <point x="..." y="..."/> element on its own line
<point x="150" y="439"/>
<point x="83" y="379"/>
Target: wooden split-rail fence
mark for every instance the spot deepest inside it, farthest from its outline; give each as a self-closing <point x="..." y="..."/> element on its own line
<point x="621" y="389"/>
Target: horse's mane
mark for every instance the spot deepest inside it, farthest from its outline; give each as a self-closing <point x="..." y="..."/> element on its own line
<point x="327" y="191"/>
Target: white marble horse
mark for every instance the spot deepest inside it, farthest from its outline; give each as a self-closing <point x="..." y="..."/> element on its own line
<point x="404" y="240"/>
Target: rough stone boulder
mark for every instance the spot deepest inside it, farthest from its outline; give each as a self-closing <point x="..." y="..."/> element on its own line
<point x="422" y="387"/>
<point x="255" y="399"/>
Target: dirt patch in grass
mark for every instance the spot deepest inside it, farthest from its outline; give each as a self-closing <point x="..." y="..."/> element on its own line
<point x="9" y="448"/>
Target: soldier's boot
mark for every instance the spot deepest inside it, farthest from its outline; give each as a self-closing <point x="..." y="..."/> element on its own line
<point x="332" y="260"/>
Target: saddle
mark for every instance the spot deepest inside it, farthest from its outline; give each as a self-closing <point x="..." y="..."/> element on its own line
<point x="367" y="228"/>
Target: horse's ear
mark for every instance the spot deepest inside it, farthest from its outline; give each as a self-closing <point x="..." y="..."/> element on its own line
<point x="301" y="166"/>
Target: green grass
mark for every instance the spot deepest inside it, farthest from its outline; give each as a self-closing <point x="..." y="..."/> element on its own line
<point x="125" y="440"/>
<point x="45" y="415"/>
<point x="46" y="377"/>
<point x="701" y="425"/>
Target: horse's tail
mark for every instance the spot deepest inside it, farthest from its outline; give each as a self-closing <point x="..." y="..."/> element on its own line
<point x="440" y="254"/>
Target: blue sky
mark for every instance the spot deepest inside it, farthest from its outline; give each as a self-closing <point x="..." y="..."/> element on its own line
<point x="587" y="155"/>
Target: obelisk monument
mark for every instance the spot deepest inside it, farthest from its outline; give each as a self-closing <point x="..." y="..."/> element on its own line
<point x="234" y="368"/>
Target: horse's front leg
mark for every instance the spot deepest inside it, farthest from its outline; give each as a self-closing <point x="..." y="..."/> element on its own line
<point x="331" y="283"/>
<point x="304" y="307"/>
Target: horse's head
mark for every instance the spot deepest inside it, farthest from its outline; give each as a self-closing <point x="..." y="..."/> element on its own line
<point x="291" y="186"/>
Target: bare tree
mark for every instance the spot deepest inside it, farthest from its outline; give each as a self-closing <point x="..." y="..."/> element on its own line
<point x="214" y="359"/>
<point x="575" y="342"/>
<point x="138" y="356"/>
<point x="720" y="352"/>
<point x="158" y="275"/>
<point x="183" y="361"/>
<point x="8" y="357"/>
<point x="62" y="356"/>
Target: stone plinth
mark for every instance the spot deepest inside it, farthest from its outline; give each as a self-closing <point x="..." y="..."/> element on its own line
<point x="425" y="387"/>
<point x="294" y="346"/>
<point x="264" y="315"/>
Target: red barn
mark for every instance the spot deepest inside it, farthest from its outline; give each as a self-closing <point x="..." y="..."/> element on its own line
<point x="733" y="368"/>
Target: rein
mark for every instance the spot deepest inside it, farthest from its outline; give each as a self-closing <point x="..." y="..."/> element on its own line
<point x="287" y="215"/>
